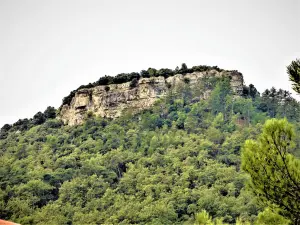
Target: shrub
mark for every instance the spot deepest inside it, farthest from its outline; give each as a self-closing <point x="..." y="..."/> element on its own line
<point x="89" y="114"/>
<point x="50" y="112"/>
<point x="133" y="83"/>
<point x="203" y="218"/>
<point x="38" y="118"/>
<point x="145" y="74"/>
<point x="104" y="80"/>
<point x="107" y="88"/>
<point x="152" y="72"/>
<point x="5" y="128"/>
<point x="186" y="80"/>
<point x="165" y="72"/>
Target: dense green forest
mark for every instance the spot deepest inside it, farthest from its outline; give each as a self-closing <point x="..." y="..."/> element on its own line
<point x="176" y="163"/>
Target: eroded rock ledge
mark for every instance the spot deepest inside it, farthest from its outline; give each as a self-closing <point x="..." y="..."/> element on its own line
<point x="111" y="100"/>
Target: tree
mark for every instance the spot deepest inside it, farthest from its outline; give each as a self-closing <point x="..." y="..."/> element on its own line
<point x="183" y="68"/>
<point x="133" y="83"/>
<point x="218" y="96"/>
<point x="293" y="71"/>
<point x="269" y="101"/>
<point x="250" y="91"/>
<point x="203" y="218"/>
<point x="145" y="74"/>
<point x="5" y="128"/>
<point x="275" y="173"/>
<point x="21" y="124"/>
<point x="151" y="72"/>
<point x="253" y="91"/>
<point x="50" y="112"/>
<point x="4" y="131"/>
<point x="38" y="118"/>
<point x="165" y="72"/>
<point x="268" y="217"/>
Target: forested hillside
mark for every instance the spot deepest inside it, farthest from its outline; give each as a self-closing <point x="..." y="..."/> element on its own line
<point x="164" y="165"/>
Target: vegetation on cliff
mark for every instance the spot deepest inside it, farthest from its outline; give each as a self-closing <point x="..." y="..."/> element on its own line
<point x="178" y="162"/>
<point x="134" y="77"/>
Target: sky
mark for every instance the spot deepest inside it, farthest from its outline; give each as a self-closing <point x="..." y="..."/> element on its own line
<point x="49" y="48"/>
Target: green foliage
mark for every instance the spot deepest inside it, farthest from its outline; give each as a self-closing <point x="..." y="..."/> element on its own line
<point x="184" y="68"/>
<point x="203" y="68"/>
<point x="161" y="166"/>
<point x="38" y="119"/>
<point x="203" y="218"/>
<point x="25" y="124"/>
<point x="250" y="91"/>
<point x="50" y="113"/>
<point x="133" y="83"/>
<point x="293" y="71"/>
<point x="267" y="217"/>
<point x="165" y="72"/>
<point x="186" y="80"/>
<point x="275" y="173"/>
<point x="278" y="104"/>
<point x="219" y="96"/>
<point x="240" y="221"/>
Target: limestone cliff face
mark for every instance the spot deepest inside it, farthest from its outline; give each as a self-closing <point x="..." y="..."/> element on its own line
<point x="111" y="100"/>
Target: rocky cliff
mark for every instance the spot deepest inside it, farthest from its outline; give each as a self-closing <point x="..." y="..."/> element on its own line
<point x="111" y="100"/>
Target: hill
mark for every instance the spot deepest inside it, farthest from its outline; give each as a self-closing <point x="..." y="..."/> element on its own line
<point x="159" y="165"/>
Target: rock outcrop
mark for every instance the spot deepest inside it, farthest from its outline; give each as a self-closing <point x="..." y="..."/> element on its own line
<point x="111" y="100"/>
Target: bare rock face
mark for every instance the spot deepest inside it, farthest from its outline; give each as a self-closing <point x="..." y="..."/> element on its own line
<point x="111" y="100"/>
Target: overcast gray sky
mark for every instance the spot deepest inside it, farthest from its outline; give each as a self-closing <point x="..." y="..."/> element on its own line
<point x="49" y="48"/>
